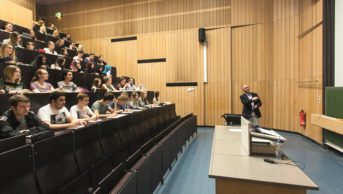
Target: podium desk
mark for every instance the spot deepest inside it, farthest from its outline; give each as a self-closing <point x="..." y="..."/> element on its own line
<point x="236" y="172"/>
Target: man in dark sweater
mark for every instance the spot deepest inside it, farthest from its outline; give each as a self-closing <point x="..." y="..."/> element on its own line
<point x="19" y="119"/>
<point x="251" y="104"/>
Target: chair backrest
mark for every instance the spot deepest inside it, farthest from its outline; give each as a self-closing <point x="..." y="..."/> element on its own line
<point x="11" y="143"/>
<point x="109" y="137"/>
<point x="25" y="56"/>
<point x="87" y="146"/>
<point x="55" y="162"/>
<point x="17" y="171"/>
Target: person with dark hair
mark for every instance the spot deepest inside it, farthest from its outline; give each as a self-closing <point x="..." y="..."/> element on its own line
<point x="56" y="115"/>
<point x="79" y="56"/>
<point x="7" y="54"/>
<point x="39" y="84"/>
<point x="106" y="70"/>
<point x="59" y="64"/>
<point x="81" y="110"/>
<point x="19" y="119"/>
<point x="30" y="46"/>
<point x="90" y="59"/>
<point x="251" y="104"/>
<point x="156" y="99"/>
<point x="76" y="66"/>
<point x="14" y="39"/>
<point x="72" y="46"/>
<point x="90" y="68"/>
<point x="102" y="107"/>
<point x="122" y="84"/>
<point x="12" y="81"/>
<point x="51" y="48"/>
<point x="96" y="84"/>
<point x="66" y="85"/>
<point x="107" y="85"/>
<point x="40" y="62"/>
<point x="59" y="45"/>
<point x="8" y="27"/>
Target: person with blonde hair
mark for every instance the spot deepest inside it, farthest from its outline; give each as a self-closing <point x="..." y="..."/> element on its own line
<point x="12" y="81"/>
<point x="39" y="84"/>
<point x="7" y="54"/>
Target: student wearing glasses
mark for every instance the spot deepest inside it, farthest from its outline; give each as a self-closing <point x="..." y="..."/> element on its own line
<point x="12" y="81"/>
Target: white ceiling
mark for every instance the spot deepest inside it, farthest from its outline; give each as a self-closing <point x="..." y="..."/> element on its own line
<point x="49" y="2"/>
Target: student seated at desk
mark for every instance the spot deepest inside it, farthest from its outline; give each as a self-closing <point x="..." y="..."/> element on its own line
<point x="66" y="85"/>
<point x="59" y="45"/>
<point x="107" y="85"/>
<point x="14" y="39"/>
<point x="8" y="27"/>
<point x="96" y="85"/>
<point x="41" y="34"/>
<point x="156" y="99"/>
<point x="134" y="100"/>
<point x="19" y="119"/>
<point x="56" y="115"/>
<point x="12" y="81"/>
<point x="143" y="99"/>
<point x="75" y="66"/>
<point x="81" y="109"/>
<point x="79" y="56"/>
<point x="51" y="48"/>
<point x="59" y="64"/>
<point x="40" y="62"/>
<point x="7" y="54"/>
<point x="30" y="46"/>
<point x="102" y="107"/>
<point x="39" y="84"/>
<point x="123" y="102"/>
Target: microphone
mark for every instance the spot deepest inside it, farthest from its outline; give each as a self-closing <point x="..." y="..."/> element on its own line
<point x="270" y="161"/>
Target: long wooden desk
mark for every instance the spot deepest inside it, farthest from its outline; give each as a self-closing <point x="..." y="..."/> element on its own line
<point x="236" y="172"/>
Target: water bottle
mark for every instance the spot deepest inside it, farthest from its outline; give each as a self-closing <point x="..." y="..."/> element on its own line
<point x="278" y="151"/>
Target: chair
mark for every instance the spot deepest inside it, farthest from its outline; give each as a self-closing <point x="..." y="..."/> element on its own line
<point x="79" y="185"/>
<point x="17" y="171"/>
<point x="108" y="183"/>
<point x="142" y="169"/>
<point x="89" y="155"/>
<point x="127" y="185"/>
<point x="25" y="56"/>
<point x="55" y="162"/>
<point x="11" y="143"/>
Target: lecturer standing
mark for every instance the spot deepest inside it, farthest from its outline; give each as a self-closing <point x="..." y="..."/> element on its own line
<point x="251" y="103"/>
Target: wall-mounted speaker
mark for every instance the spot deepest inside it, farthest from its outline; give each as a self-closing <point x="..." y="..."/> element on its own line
<point x="202" y="35"/>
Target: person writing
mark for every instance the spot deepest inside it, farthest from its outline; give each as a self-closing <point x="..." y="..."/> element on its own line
<point x="81" y="109"/>
<point x="251" y="104"/>
<point x="56" y="115"/>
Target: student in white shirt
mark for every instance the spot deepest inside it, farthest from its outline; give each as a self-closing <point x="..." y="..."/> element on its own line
<point x="51" y="48"/>
<point x="56" y="115"/>
<point x="81" y="109"/>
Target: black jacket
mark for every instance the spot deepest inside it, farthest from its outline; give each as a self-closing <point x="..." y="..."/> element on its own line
<point x="9" y="124"/>
<point x="247" y="109"/>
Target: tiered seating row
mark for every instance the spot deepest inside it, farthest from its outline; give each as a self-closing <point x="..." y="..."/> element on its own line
<point x="100" y="156"/>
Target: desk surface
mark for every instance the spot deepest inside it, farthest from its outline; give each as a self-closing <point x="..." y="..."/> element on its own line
<point x="229" y="159"/>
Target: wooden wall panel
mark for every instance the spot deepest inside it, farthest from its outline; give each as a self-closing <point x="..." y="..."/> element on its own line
<point x="218" y="89"/>
<point x="293" y="55"/>
<point x="245" y="12"/>
<point x="17" y="12"/>
<point x="274" y="45"/>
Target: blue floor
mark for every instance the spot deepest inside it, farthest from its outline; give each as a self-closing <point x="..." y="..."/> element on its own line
<point x="190" y="173"/>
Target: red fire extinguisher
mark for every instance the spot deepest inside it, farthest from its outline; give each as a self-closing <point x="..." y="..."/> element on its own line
<point x="302" y="117"/>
